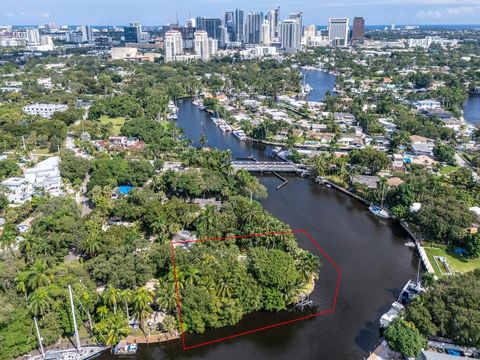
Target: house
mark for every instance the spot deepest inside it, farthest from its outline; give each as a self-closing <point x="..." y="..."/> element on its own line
<point x="184" y="239"/>
<point x="424" y="161"/>
<point x="44" y="177"/>
<point x="422" y="149"/>
<point x="25" y="225"/>
<point x="394" y="181"/>
<point x="428" y="104"/>
<point x="345" y="118"/>
<point x="43" y="110"/>
<point x="203" y="203"/>
<point x="397" y="163"/>
<point x="370" y="182"/>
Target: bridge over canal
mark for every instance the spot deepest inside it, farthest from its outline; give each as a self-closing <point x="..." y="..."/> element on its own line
<point x="270" y="166"/>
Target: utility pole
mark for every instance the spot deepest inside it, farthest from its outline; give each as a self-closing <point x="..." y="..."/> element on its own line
<point x="39" y="337"/>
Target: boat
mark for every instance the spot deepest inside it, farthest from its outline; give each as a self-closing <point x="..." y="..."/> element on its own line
<point x="123" y="348"/>
<point x="409" y="292"/>
<point x="379" y="211"/>
<point x="308" y="88"/>
<point x="240" y="134"/>
<point x="225" y="127"/>
<point x="391" y="314"/>
<point x="172" y="116"/>
<point x="79" y="352"/>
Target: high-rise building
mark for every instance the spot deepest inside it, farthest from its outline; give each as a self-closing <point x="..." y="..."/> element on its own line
<point x="291" y="35"/>
<point x="265" y="33"/>
<point x="298" y="17"/>
<point x="253" y="28"/>
<point x="224" y="37"/>
<point x="33" y="36"/>
<point x="229" y="23"/>
<point x="309" y="31"/>
<point x="191" y="23"/>
<point x="173" y="45"/>
<point x="358" y="32"/>
<point x="212" y="26"/>
<point x="239" y="26"/>
<point x="132" y="33"/>
<point x="201" y="45"/>
<point x="212" y="47"/>
<point x="188" y="36"/>
<point x="273" y="16"/>
<point x="200" y="23"/>
<point x="87" y="33"/>
<point x="338" y="32"/>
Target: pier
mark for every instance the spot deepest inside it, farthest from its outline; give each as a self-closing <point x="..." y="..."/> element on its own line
<point x="270" y="166"/>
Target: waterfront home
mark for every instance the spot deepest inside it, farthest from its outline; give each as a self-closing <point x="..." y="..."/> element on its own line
<point x="369" y="181"/>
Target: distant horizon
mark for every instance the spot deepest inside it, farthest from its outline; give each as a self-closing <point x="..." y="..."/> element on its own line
<point x="305" y="24"/>
<point x="418" y="12"/>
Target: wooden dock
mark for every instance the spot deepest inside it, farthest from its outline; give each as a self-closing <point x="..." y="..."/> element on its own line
<point x="151" y="339"/>
<point x="320" y="180"/>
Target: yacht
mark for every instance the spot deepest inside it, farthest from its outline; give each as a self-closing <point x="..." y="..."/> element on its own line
<point x="225" y="127"/>
<point x="308" y="88"/>
<point x="240" y="134"/>
<point x="125" y="349"/>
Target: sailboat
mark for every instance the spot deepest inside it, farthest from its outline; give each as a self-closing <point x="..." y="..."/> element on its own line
<point x="380" y="211"/>
<point x="79" y="352"/>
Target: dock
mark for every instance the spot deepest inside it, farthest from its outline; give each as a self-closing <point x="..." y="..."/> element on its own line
<point x="320" y="180"/>
<point x="151" y="339"/>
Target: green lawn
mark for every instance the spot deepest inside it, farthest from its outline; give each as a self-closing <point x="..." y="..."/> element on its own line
<point x="457" y="263"/>
<point x="447" y="169"/>
<point x="117" y="123"/>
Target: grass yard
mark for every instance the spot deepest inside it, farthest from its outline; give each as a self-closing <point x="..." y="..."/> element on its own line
<point x="447" y="169"/>
<point x="457" y="263"/>
<point x="117" y="123"/>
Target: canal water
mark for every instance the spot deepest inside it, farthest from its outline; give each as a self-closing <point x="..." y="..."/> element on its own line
<point x="471" y="109"/>
<point x="371" y="252"/>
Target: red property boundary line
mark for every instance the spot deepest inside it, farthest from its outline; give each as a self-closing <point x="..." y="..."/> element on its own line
<point x="322" y="251"/>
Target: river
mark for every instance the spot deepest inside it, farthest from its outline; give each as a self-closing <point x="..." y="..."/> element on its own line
<point x="471" y="109"/>
<point x="371" y="253"/>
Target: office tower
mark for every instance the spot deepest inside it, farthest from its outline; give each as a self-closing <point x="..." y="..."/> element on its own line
<point x="291" y="35"/>
<point x="87" y="33"/>
<point x="265" y="33"/>
<point x="212" y="26"/>
<point x="33" y="36"/>
<point x="253" y="28"/>
<point x="273" y="18"/>
<point x="224" y="37"/>
<point x="188" y="36"/>
<point x="201" y="44"/>
<point x="298" y="17"/>
<point x="132" y="33"/>
<point x="309" y="31"/>
<point x="191" y="23"/>
<point x="200" y="23"/>
<point x="173" y="45"/>
<point x="239" y="26"/>
<point x="338" y="32"/>
<point x="358" y="32"/>
<point x="229" y="23"/>
<point x="212" y="47"/>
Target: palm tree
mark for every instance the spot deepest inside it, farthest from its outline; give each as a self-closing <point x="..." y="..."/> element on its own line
<point x="141" y="301"/>
<point x="206" y="220"/>
<point x="39" y="275"/>
<point x="22" y="283"/>
<point x="224" y="288"/>
<point x="116" y="328"/>
<point x="39" y="302"/>
<point x="111" y="297"/>
<point x="8" y="238"/>
<point x="167" y="297"/>
<point x="126" y="296"/>
<point x="91" y="245"/>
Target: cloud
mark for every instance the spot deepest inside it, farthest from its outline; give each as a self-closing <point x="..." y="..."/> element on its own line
<point x="34" y="14"/>
<point x="448" y="12"/>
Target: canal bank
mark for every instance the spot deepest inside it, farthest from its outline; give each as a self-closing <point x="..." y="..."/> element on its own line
<point x="372" y="254"/>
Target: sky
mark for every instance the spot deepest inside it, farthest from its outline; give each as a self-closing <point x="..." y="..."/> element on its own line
<point x="158" y="12"/>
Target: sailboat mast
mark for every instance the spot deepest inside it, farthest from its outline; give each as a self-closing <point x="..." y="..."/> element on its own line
<point x="39" y="337"/>
<point x="77" y="336"/>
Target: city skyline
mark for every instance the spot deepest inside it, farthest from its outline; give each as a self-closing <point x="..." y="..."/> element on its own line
<point x="375" y="12"/>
